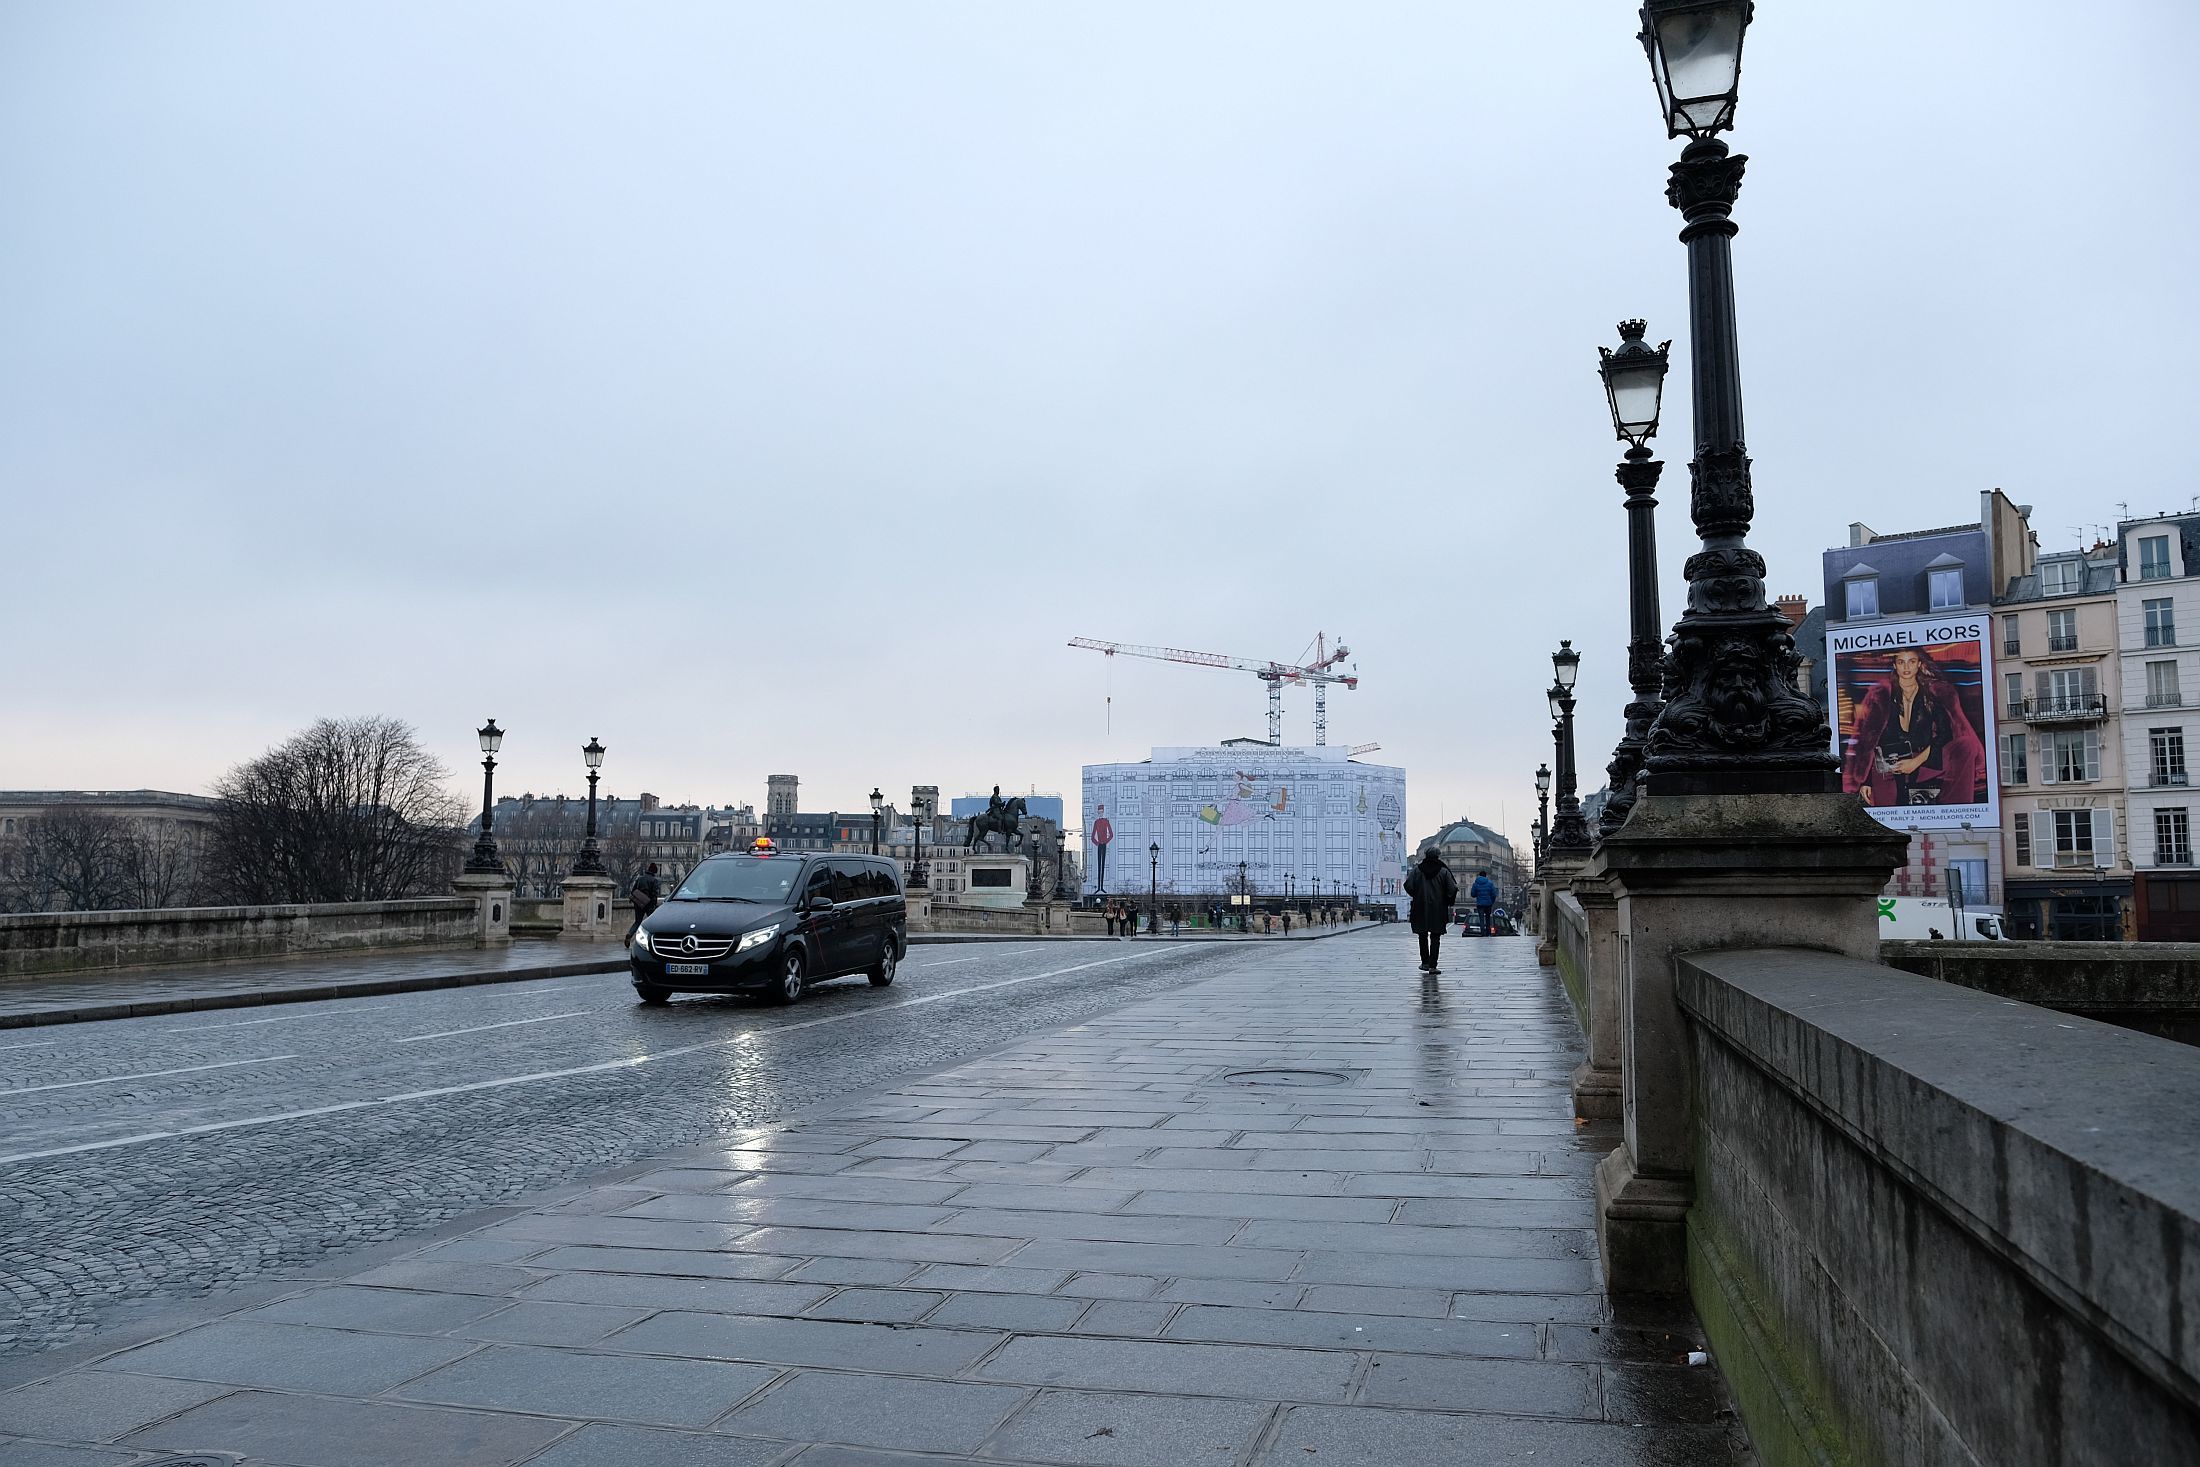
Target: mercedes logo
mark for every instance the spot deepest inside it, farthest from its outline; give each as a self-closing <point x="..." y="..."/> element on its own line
<point x="688" y="943"/>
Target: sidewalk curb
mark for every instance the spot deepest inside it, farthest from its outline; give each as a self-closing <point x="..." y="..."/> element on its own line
<point x="308" y="993"/>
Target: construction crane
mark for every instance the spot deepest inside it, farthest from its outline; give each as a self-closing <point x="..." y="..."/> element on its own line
<point x="1274" y="674"/>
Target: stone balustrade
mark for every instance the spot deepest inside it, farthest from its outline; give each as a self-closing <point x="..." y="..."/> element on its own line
<point x="1931" y="1225"/>
<point x="73" y="942"/>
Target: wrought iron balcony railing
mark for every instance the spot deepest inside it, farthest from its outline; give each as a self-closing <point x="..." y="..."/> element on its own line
<point x="2064" y="710"/>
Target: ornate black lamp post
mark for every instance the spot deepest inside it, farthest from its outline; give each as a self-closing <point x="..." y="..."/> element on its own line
<point x="485" y="859"/>
<point x="878" y="810"/>
<point x="1734" y="721"/>
<point x="591" y="859"/>
<point x="1634" y="387"/>
<point x="918" y="820"/>
<point x="1542" y="809"/>
<point x="1570" y="839"/>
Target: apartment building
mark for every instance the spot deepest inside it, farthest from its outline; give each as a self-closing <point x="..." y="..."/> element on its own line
<point x="2158" y="629"/>
<point x="1910" y="606"/>
<point x="2062" y="764"/>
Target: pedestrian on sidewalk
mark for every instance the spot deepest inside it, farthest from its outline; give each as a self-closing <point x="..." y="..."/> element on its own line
<point x="1484" y="892"/>
<point x="643" y="896"/>
<point x="1176" y="918"/>
<point x="1433" y="889"/>
<point x="1286" y="921"/>
<point x="1109" y="912"/>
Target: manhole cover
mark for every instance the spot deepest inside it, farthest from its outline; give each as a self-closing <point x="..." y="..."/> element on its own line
<point x="1287" y="1079"/>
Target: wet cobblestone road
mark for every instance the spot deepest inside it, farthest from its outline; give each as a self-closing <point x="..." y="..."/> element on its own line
<point x="146" y="1161"/>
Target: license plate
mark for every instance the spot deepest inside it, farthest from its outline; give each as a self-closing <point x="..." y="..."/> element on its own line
<point x="688" y="970"/>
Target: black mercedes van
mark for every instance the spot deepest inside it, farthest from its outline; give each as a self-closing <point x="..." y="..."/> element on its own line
<point x="772" y="924"/>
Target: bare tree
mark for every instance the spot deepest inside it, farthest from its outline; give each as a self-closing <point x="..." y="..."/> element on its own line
<point x="72" y="862"/>
<point x="350" y="810"/>
<point x="158" y="867"/>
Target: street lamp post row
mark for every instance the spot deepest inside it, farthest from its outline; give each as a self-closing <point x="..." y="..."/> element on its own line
<point x="486" y="859"/>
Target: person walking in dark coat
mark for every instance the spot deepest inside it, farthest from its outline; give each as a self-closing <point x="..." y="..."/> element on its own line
<point x="1433" y="889"/>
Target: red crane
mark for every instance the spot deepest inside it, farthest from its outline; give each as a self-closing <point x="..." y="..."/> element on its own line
<point x="1275" y="674"/>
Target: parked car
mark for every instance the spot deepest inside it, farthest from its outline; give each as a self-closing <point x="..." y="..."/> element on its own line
<point x="772" y="924"/>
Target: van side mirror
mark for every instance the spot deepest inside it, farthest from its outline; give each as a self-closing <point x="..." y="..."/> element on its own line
<point x="818" y="902"/>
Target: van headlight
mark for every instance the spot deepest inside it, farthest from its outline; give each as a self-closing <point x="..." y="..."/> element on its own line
<point x="641" y="940"/>
<point x="757" y="938"/>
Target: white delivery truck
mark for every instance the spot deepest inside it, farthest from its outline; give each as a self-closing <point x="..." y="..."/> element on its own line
<point x="1931" y="917"/>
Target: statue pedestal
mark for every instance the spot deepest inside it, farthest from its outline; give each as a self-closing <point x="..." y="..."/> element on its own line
<point x="1000" y="882"/>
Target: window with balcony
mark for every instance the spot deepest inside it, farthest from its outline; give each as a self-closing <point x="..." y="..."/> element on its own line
<point x="1967" y="879"/>
<point x="2014" y="683"/>
<point x="2062" y="631"/>
<point x="2011" y="644"/>
<point x="2166" y="747"/>
<point x="2070" y="694"/>
<point x="2172" y="838"/>
<point x="1862" y="597"/>
<point x="2021" y="826"/>
<point x="2154" y="558"/>
<point x="1944" y="589"/>
<point x="2013" y="769"/>
<point x="2162" y="689"/>
<point x="2161" y="617"/>
<point x="2070" y="758"/>
<point x="2060" y="578"/>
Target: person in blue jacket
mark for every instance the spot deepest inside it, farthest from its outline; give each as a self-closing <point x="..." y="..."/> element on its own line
<point x="1484" y="892"/>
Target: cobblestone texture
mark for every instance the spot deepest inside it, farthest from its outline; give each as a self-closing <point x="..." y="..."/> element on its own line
<point x="98" y="1236"/>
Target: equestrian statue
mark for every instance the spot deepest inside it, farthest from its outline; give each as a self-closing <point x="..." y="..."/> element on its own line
<point x="1003" y="816"/>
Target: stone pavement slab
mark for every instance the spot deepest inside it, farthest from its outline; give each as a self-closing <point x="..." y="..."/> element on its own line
<point x="1319" y="1208"/>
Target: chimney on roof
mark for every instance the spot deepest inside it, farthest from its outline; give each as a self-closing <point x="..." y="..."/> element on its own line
<point x="1861" y="534"/>
<point x="1794" y="608"/>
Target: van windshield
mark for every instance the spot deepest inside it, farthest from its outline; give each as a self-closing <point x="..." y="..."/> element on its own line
<point x="740" y="879"/>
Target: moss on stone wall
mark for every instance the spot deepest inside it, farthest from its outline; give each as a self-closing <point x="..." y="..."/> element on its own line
<point x="1786" y="1411"/>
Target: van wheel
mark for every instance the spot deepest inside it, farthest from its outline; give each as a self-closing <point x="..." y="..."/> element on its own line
<point x="882" y="972"/>
<point x="788" y="986"/>
<point x="650" y="993"/>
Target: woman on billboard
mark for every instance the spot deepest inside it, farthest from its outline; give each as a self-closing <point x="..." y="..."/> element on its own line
<point x="1913" y="743"/>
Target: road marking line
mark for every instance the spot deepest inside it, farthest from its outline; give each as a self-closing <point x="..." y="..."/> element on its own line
<point x="745" y="1036"/>
<point x="36" y="1044"/>
<point x="974" y="958"/>
<point x="279" y="1019"/>
<point x="147" y="1075"/>
<point x="507" y="1024"/>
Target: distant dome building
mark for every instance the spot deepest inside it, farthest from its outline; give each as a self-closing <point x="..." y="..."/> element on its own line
<point x="1467" y="848"/>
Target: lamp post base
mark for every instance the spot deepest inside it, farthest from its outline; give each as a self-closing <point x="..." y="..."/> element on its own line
<point x="591" y="911"/>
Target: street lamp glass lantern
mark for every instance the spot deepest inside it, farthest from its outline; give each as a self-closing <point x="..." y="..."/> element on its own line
<point x="1556" y="697"/>
<point x="1695" y="50"/>
<point x="1543" y="779"/>
<point x="592" y="751"/>
<point x="492" y="737"/>
<point x="1634" y="383"/>
<point x="1566" y="663"/>
<point x="878" y="801"/>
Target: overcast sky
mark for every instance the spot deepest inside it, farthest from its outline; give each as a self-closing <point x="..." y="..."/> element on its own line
<point x="778" y="387"/>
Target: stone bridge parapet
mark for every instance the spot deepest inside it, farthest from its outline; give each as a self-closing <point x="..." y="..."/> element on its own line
<point x="1933" y="1226"/>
